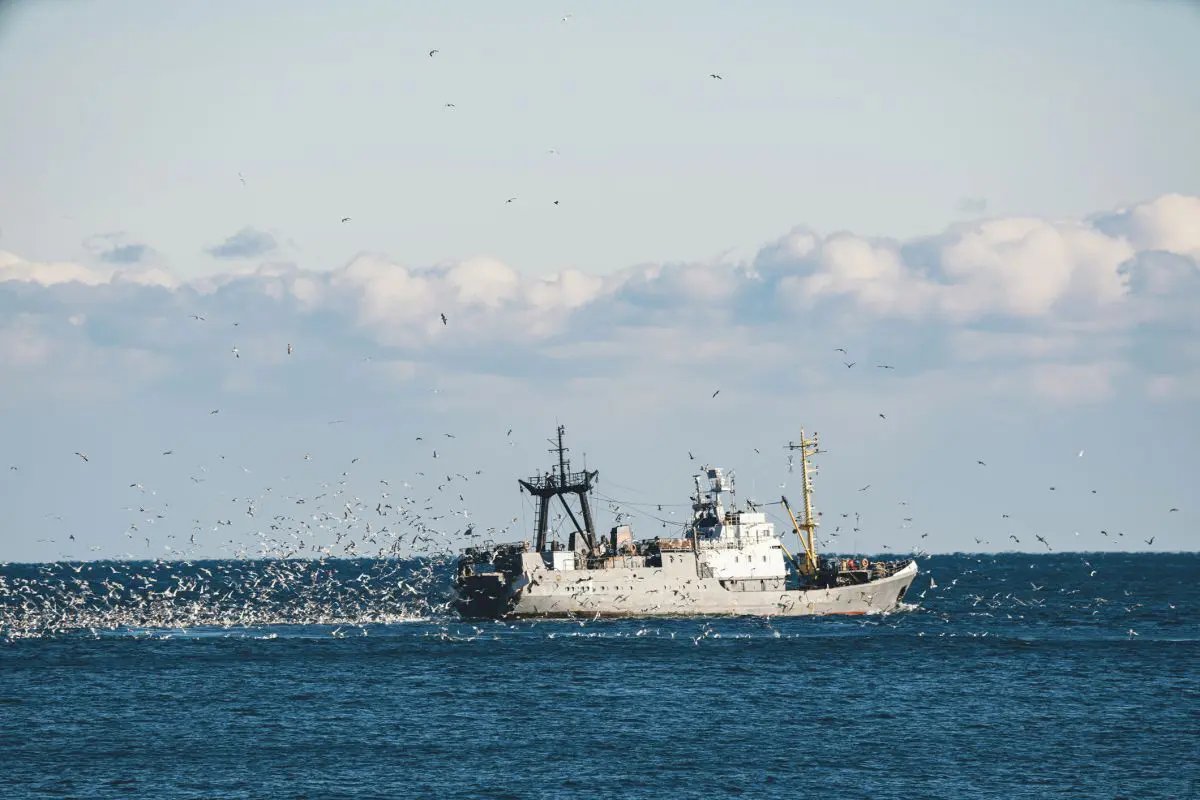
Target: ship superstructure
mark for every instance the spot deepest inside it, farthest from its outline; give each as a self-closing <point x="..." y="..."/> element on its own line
<point x="729" y="561"/>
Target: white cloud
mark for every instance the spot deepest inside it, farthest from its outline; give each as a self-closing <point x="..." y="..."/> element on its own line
<point x="1064" y="296"/>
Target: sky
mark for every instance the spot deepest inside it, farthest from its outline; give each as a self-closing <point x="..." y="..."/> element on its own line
<point x="262" y="210"/>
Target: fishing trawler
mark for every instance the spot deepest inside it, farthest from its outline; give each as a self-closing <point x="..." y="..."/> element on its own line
<point x="730" y="561"/>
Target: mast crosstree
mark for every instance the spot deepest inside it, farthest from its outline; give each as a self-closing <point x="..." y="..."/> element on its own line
<point x="560" y="482"/>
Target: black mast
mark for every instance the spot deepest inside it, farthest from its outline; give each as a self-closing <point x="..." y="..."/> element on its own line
<point x="560" y="484"/>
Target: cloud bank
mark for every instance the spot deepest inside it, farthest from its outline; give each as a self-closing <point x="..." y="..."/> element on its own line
<point x="1064" y="310"/>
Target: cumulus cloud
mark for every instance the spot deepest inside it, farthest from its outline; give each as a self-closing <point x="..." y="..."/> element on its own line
<point x="246" y="243"/>
<point x="1064" y="304"/>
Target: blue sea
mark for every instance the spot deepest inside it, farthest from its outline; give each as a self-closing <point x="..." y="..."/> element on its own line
<point x="1008" y="676"/>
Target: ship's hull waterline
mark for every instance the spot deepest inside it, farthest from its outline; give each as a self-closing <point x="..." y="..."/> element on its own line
<point x="624" y="593"/>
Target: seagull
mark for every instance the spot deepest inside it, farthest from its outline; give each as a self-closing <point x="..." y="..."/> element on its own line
<point x="1169" y="510"/>
<point x="289" y="348"/>
<point x="849" y="364"/>
<point x="509" y="200"/>
<point x="980" y="463"/>
<point x="444" y="322"/>
<point x="81" y="455"/>
<point x="450" y="105"/>
<point x="345" y="220"/>
<point x="1150" y="541"/>
<point x="242" y="178"/>
<point x="198" y="317"/>
<point x="841" y="350"/>
<point x="432" y="53"/>
<point x="881" y="416"/>
<point x="235" y="352"/>
<point x="717" y="392"/>
<point x="715" y="76"/>
<point x="885" y="366"/>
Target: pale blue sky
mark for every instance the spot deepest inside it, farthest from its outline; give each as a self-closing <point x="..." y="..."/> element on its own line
<point x="877" y="117"/>
<point x="1037" y="161"/>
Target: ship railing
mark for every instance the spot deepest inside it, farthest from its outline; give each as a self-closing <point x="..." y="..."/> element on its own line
<point x="553" y="480"/>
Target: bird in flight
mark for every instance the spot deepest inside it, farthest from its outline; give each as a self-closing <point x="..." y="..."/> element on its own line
<point x="717" y="392"/>
<point x="849" y="364"/>
<point x="345" y="220"/>
<point x="509" y="200"/>
<point x="432" y="53"/>
<point x="444" y="322"/>
<point x="980" y="463"/>
<point x="289" y="348"/>
<point x="715" y="76"/>
<point x="1150" y="540"/>
<point x="81" y="455"/>
<point x="841" y="350"/>
<point x="242" y="178"/>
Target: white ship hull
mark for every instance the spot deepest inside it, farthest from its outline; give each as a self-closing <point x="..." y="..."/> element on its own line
<point x="645" y="592"/>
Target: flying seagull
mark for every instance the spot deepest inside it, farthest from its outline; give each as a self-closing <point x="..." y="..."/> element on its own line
<point x="444" y="320"/>
<point x="432" y="53"/>
<point x="715" y="76"/>
<point x="345" y="219"/>
<point x="81" y="455"/>
<point x="717" y="392"/>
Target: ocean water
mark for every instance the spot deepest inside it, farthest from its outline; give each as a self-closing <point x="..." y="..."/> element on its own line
<point x="1008" y="676"/>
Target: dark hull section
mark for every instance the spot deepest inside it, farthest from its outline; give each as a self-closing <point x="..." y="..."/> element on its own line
<point x="483" y="596"/>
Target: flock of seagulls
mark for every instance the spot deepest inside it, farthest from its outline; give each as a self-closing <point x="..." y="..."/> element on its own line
<point x="337" y="555"/>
